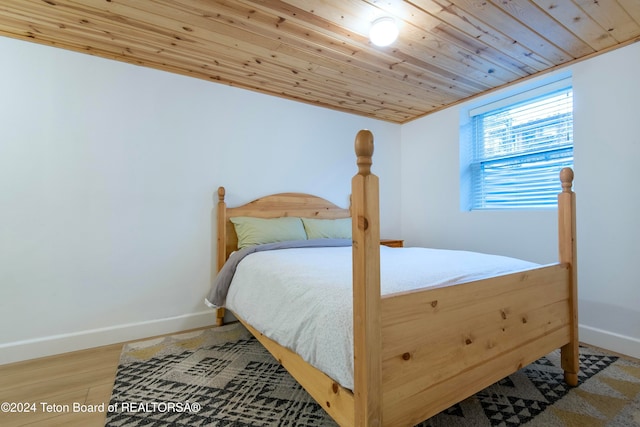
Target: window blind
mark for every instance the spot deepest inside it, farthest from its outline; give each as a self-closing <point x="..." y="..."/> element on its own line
<point x="519" y="150"/>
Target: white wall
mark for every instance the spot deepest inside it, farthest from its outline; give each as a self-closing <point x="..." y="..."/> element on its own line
<point x="108" y="173"/>
<point x="607" y="149"/>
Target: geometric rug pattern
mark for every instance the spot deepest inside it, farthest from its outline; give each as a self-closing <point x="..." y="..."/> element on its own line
<point x="224" y="377"/>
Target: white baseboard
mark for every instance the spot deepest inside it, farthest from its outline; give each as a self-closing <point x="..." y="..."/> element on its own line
<point x="63" y="343"/>
<point x="610" y="341"/>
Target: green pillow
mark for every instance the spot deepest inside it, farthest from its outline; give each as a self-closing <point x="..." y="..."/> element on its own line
<point x="256" y="231"/>
<point x="327" y="228"/>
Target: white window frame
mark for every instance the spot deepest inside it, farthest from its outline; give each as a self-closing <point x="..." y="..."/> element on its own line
<point x="490" y="180"/>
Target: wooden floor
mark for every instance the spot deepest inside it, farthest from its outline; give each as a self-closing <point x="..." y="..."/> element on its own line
<point x="82" y="377"/>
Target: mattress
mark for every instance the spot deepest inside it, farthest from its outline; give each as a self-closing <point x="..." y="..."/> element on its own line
<point x="302" y="297"/>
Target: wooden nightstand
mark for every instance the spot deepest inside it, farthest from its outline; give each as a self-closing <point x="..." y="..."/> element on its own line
<point x="392" y="243"/>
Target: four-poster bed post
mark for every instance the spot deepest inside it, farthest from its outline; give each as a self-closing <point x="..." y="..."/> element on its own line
<point x="568" y="254"/>
<point x="367" y="327"/>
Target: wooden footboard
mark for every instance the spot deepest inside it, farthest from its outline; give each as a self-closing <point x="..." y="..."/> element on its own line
<point x="442" y="345"/>
<point x="420" y="352"/>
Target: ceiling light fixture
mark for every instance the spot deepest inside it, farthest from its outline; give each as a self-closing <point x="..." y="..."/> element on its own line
<point x="384" y="31"/>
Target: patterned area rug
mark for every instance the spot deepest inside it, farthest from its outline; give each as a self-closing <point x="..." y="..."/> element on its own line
<point x="224" y="377"/>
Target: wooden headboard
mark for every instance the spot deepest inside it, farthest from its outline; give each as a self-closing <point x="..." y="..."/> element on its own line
<point x="273" y="206"/>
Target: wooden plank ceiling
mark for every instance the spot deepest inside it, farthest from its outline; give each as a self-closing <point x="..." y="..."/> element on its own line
<point x="318" y="51"/>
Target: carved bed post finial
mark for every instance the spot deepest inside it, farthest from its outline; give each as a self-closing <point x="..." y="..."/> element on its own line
<point x="364" y="151"/>
<point x="221" y="193"/>
<point x="566" y="177"/>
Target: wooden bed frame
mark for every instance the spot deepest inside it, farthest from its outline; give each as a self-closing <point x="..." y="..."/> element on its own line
<point x="417" y="353"/>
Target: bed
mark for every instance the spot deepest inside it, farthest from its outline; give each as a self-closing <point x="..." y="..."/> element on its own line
<point x="417" y="352"/>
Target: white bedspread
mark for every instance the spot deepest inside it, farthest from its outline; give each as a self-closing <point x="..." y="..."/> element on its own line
<point x="302" y="298"/>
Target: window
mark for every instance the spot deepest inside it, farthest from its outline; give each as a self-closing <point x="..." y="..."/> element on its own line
<point x="518" y="147"/>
